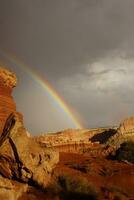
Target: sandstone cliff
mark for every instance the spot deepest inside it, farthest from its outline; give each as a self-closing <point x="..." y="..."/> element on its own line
<point x="124" y="133"/>
<point x="127" y="126"/>
<point x="90" y="140"/>
<point x="8" y="80"/>
<point x="21" y="158"/>
<point x="76" y="141"/>
<point x="25" y="160"/>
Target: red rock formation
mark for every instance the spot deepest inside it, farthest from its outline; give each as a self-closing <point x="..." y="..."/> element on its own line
<point x="71" y="140"/>
<point x="127" y="126"/>
<point x="8" y="80"/>
<point x="20" y="157"/>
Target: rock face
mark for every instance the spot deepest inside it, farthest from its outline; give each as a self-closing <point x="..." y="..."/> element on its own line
<point x="11" y="190"/>
<point x="21" y="157"/>
<point x="125" y="133"/>
<point x="127" y="126"/>
<point x="75" y="141"/>
<point x="8" y="80"/>
<point x="24" y="159"/>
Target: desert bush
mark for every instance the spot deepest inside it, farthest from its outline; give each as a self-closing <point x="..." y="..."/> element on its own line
<point x="85" y="168"/>
<point x="77" y="188"/>
<point x="54" y="188"/>
<point x="126" y="152"/>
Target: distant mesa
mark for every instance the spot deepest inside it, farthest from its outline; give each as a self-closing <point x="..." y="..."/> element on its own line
<point x="77" y="141"/>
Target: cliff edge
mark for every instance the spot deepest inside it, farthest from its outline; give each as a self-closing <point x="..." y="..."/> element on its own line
<point x="8" y="81"/>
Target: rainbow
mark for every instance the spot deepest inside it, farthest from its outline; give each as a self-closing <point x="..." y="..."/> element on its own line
<point x="45" y="85"/>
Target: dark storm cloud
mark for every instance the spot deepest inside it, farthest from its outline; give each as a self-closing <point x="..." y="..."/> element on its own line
<point x="60" y="36"/>
<point x="84" y="47"/>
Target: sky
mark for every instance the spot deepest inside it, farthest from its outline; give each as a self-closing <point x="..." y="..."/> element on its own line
<point x="84" y="48"/>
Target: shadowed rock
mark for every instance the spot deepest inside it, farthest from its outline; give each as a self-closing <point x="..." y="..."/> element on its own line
<point x="103" y="137"/>
<point x="7" y="128"/>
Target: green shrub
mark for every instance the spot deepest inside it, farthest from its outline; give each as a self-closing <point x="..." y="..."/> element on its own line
<point x="126" y="152"/>
<point x="77" y="188"/>
<point x="53" y="188"/>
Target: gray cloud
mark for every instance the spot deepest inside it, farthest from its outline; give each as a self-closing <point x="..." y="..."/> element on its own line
<point x="106" y="90"/>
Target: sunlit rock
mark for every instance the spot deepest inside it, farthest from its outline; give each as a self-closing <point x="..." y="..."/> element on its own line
<point x="8" y="80"/>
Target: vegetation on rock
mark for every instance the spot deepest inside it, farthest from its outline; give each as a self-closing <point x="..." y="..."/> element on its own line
<point x="126" y="152"/>
<point x="77" y="188"/>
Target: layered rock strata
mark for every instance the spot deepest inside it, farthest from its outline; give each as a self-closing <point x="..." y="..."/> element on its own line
<point x="75" y="141"/>
<point x="21" y="158"/>
<point x="8" y="81"/>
